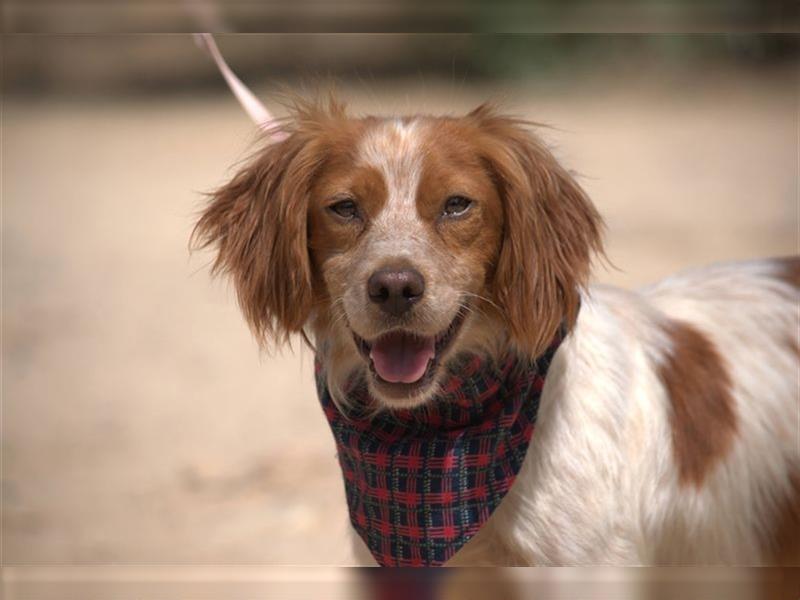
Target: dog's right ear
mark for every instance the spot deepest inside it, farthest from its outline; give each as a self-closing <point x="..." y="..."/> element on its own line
<point x="551" y="232"/>
<point x="257" y="223"/>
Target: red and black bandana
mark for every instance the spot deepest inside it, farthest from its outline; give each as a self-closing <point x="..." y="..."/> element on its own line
<point x="421" y="482"/>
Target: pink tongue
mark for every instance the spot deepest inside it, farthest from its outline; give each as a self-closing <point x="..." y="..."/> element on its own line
<point x="401" y="358"/>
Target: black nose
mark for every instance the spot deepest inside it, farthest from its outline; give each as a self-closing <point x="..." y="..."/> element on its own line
<point x="395" y="290"/>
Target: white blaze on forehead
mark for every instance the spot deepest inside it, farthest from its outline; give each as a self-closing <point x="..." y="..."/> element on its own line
<point x="394" y="149"/>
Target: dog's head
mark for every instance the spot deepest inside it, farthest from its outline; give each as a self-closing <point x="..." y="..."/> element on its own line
<point x="401" y="242"/>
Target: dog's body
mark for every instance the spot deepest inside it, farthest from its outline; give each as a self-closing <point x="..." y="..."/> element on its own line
<point x="668" y="428"/>
<point x="668" y="432"/>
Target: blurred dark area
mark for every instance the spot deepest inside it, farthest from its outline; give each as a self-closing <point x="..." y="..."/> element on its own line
<point x="130" y="64"/>
<point x="84" y="50"/>
<point x="502" y="16"/>
<point x="304" y="583"/>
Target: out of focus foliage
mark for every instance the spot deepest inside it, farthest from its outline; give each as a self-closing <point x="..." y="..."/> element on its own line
<point x="520" y="38"/>
<point x="515" y="55"/>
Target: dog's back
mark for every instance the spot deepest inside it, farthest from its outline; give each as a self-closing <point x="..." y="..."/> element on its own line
<point x="736" y="433"/>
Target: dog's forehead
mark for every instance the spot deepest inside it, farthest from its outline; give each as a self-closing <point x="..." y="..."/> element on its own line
<point x="400" y="148"/>
<point x="393" y="147"/>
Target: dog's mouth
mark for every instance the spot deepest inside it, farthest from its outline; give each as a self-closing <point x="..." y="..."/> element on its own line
<point x="403" y="362"/>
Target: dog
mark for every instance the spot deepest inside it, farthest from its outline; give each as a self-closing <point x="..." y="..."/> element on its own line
<point x="667" y="431"/>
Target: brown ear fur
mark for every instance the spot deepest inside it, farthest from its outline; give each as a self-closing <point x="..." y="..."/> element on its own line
<point x="551" y="232"/>
<point x="257" y="222"/>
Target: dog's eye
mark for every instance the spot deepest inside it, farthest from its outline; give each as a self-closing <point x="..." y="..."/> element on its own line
<point x="347" y="209"/>
<point x="456" y="205"/>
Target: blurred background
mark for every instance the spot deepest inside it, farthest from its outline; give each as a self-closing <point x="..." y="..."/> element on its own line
<point x="140" y="423"/>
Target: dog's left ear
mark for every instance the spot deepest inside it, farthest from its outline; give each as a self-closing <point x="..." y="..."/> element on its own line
<point x="551" y="231"/>
<point x="257" y="223"/>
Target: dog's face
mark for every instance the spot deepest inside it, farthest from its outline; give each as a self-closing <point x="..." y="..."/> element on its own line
<point x="405" y="232"/>
<point x="402" y="242"/>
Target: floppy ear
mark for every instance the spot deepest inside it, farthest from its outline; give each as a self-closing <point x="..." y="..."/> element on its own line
<point x="257" y="222"/>
<point x="551" y="231"/>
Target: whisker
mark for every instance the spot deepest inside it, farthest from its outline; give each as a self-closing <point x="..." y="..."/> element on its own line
<point x="480" y="297"/>
<point x="340" y="315"/>
<point x="475" y="311"/>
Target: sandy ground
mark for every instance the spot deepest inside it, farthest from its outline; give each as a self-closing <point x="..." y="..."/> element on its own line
<point x="140" y="424"/>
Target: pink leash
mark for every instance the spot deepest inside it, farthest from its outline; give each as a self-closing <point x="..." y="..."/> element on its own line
<point x="251" y="105"/>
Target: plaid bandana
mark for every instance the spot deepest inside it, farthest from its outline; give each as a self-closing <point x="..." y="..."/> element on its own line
<point x="421" y="482"/>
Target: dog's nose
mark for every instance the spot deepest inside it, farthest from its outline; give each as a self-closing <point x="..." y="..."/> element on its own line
<point x="395" y="290"/>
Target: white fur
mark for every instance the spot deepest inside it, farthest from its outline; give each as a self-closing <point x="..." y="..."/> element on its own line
<point x="393" y="149"/>
<point x="600" y="485"/>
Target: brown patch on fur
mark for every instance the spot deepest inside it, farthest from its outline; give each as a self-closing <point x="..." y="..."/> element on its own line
<point x="342" y="178"/>
<point x="551" y="231"/>
<point x="790" y="272"/>
<point x="793" y="343"/>
<point x="703" y="420"/>
<point x="258" y="221"/>
<point x="785" y="534"/>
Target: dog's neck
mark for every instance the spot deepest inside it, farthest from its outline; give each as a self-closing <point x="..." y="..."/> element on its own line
<point x="421" y="482"/>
